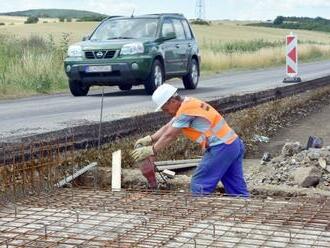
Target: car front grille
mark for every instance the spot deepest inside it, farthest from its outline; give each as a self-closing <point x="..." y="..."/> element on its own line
<point x="100" y="54"/>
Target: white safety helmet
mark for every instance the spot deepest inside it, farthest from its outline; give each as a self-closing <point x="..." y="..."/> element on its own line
<point x="162" y="94"/>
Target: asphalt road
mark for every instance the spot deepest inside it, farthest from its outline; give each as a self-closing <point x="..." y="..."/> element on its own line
<point x="24" y="117"/>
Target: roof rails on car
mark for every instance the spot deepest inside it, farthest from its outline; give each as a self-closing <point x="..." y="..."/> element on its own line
<point x="110" y="17"/>
<point x="157" y="14"/>
<point x="160" y="14"/>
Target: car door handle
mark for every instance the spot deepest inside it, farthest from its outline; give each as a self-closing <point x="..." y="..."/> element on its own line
<point x="189" y="44"/>
<point x="177" y="46"/>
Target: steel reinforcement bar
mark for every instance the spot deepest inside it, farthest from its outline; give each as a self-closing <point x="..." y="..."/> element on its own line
<point x="88" y="218"/>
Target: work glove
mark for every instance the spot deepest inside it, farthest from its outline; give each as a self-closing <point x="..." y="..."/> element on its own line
<point x="143" y="152"/>
<point x="145" y="141"/>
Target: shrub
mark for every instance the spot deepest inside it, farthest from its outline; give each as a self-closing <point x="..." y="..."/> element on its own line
<point x="278" y="20"/>
<point x="31" y="19"/>
<point x="200" y="22"/>
<point x="2" y="24"/>
<point x="91" y="19"/>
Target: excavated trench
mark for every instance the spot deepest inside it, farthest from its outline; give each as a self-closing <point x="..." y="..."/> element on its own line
<point x="270" y="120"/>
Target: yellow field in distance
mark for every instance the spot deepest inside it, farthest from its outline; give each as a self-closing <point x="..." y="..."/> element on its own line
<point x="16" y="20"/>
<point x="234" y="31"/>
<point x="225" y="31"/>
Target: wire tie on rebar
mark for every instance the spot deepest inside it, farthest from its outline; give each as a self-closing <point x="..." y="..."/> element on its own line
<point x="246" y="207"/>
<point x="45" y="228"/>
<point x="104" y="205"/>
<point x="237" y="220"/>
<point x="7" y="245"/>
<point x="144" y="220"/>
<point x="15" y="211"/>
<point x="118" y="239"/>
<point x="47" y="199"/>
<point x="77" y="215"/>
<point x="290" y="235"/>
<point x="213" y="228"/>
<point x="195" y="243"/>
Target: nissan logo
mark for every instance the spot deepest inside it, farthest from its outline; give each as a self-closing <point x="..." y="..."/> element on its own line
<point x="99" y="54"/>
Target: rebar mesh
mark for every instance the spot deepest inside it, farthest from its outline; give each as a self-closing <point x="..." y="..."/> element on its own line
<point x="35" y="213"/>
<point x="89" y="218"/>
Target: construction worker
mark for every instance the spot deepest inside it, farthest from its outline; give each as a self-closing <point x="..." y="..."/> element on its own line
<point x="197" y="120"/>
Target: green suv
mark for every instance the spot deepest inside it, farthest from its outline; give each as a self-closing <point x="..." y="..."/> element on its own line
<point x="127" y="51"/>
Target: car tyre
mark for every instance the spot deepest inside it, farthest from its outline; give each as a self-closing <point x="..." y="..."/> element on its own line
<point x="77" y="88"/>
<point x="156" y="77"/>
<point x="190" y="81"/>
<point x="125" y="86"/>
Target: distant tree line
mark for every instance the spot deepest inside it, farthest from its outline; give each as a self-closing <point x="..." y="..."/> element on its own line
<point x="31" y="20"/>
<point x="199" y="22"/>
<point x="35" y="19"/>
<point x="91" y="19"/>
<point x="307" y="23"/>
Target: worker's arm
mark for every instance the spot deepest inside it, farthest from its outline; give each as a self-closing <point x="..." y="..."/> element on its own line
<point x="150" y="139"/>
<point x="170" y="134"/>
<point x="155" y="137"/>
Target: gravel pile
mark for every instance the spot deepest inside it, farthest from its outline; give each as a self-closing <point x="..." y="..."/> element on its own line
<point x="296" y="167"/>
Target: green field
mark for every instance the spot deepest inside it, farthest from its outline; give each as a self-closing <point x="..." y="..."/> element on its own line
<point x="31" y="55"/>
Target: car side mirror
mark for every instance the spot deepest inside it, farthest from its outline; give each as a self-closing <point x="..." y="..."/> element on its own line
<point x="168" y="36"/>
<point x="85" y="38"/>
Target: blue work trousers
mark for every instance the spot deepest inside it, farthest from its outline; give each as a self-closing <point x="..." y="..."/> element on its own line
<point x="221" y="163"/>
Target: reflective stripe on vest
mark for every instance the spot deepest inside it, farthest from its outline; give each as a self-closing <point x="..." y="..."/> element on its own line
<point x="219" y="127"/>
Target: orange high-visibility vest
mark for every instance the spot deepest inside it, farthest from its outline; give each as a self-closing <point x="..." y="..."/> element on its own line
<point x="218" y="128"/>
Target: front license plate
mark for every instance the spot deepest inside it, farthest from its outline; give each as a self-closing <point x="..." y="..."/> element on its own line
<point x="98" y="68"/>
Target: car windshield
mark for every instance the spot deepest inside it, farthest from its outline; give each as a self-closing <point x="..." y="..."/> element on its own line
<point x="131" y="28"/>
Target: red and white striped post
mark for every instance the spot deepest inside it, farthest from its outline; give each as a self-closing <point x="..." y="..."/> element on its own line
<point x="291" y="60"/>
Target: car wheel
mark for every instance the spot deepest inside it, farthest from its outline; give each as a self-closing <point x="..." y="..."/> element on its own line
<point x="77" y="88"/>
<point x="125" y="86"/>
<point x="190" y="81"/>
<point x="155" y="79"/>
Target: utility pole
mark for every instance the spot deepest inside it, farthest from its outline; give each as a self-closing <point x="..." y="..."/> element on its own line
<point x="200" y="9"/>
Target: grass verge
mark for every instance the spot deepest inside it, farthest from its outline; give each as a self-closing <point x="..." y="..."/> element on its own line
<point x="31" y="66"/>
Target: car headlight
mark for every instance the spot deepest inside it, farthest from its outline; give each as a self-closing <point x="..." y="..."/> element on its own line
<point x="132" y="48"/>
<point x="75" y="51"/>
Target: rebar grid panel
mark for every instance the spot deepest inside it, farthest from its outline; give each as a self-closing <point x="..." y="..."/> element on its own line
<point x="90" y="218"/>
<point x="36" y="167"/>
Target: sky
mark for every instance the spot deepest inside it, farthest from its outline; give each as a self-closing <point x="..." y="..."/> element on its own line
<point x="214" y="9"/>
